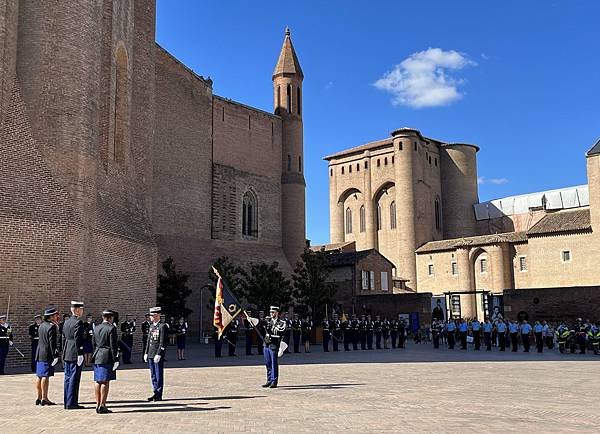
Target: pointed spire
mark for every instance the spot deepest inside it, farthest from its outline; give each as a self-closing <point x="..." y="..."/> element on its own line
<point x="288" y="61"/>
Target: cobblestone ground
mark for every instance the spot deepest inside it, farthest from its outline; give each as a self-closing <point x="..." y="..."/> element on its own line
<point x="413" y="390"/>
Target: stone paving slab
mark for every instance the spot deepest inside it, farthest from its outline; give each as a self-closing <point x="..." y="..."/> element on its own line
<point x="413" y="390"/>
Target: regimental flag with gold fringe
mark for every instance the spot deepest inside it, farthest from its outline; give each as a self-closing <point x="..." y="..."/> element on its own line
<point x="227" y="307"/>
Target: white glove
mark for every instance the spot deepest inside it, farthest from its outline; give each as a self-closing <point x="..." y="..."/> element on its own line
<point x="11" y="343"/>
<point x="55" y="361"/>
<point x="115" y="366"/>
<point x="146" y="358"/>
<point x="157" y="358"/>
<point x="79" y="360"/>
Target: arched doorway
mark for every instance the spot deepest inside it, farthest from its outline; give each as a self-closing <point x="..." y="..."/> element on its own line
<point x="386" y="222"/>
<point x="481" y="276"/>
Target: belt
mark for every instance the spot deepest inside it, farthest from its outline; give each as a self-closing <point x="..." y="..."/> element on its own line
<point x="4" y="337"/>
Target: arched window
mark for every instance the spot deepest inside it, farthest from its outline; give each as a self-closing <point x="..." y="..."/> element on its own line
<point x="378" y="217"/>
<point x="121" y="119"/>
<point x="278" y="96"/>
<point x="298" y="99"/>
<point x="300" y="163"/>
<point x="350" y="168"/>
<point x="348" y="220"/>
<point x="342" y="170"/>
<point x="362" y="219"/>
<point x="250" y="215"/>
<point x="385" y="161"/>
<point x="438" y="216"/>
<point x="289" y="98"/>
<point x="393" y="215"/>
<point x="358" y="167"/>
<point x="289" y="163"/>
<point x="366" y="164"/>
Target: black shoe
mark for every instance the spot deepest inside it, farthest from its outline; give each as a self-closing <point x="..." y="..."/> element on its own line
<point x="104" y="410"/>
<point x="267" y="384"/>
<point x="273" y="385"/>
<point x="98" y="409"/>
<point x="45" y="402"/>
<point x="158" y="398"/>
<point x="38" y="402"/>
<point x="152" y="398"/>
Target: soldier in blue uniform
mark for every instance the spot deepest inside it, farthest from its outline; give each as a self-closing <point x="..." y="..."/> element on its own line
<point x="154" y="353"/>
<point x="47" y="355"/>
<point x="296" y="332"/>
<point x="181" y="331"/>
<point x="6" y="341"/>
<point x="450" y="330"/>
<point x="72" y="355"/>
<point x="394" y="331"/>
<point x="307" y="326"/>
<point x="401" y="332"/>
<point x="385" y="332"/>
<point x="232" y="332"/>
<point x="501" y="333"/>
<point x="525" y="335"/>
<point x="34" y="337"/>
<point x="336" y="332"/>
<point x="378" y="330"/>
<point x="476" y="330"/>
<point x="487" y="334"/>
<point x="513" y="330"/>
<point x="249" y="333"/>
<point x="127" y="329"/>
<point x="538" y="330"/>
<point x="463" y="329"/>
<point x="369" y="332"/>
<point x="362" y="332"/>
<point x="88" y="339"/>
<point x="326" y="334"/>
<point x="274" y="328"/>
<point x="354" y="332"/>
<point x="105" y="358"/>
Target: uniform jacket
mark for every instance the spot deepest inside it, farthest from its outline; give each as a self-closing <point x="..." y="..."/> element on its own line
<point x="73" y="336"/>
<point x="146" y="327"/>
<point x="274" y="332"/>
<point x="6" y="335"/>
<point x="156" y="344"/>
<point x="47" y="349"/>
<point x="33" y="332"/>
<point x="106" y="349"/>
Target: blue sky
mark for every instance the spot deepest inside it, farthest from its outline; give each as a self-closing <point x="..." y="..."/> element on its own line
<point x="521" y="79"/>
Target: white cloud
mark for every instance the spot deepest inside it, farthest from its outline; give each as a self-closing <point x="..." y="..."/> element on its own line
<point x="497" y="181"/>
<point x="421" y="80"/>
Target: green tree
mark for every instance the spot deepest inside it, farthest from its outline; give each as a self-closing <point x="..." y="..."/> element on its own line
<point x="264" y="285"/>
<point x="172" y="290"/>
<point x="312" y="291"/>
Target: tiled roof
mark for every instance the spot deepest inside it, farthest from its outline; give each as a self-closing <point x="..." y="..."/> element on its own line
<point x="562" y="221"/>
<point x="348" y="245"/>
<point x="595" y="149"/>
<point x="351" y="258"/>
<point x="479" y="240"/>
<point x="288" y="61"/>
<point x="371" y="145"/>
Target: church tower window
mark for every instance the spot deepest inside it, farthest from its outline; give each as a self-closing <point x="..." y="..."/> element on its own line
<point x="289" y="98"/>
<point x="298" y="99"/>
<point x="289" y="163"/>
<point x="438" y="216"/>
<point x="121" y="114"/>
<point x="393" y="215"/>
<point x="362" y="219"/>
<point x="348" y="220"/>
<point x="378" y="217"/>
<point x="250" y="215"/>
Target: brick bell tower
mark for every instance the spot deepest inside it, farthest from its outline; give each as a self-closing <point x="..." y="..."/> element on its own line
<point x="287" y="91"/>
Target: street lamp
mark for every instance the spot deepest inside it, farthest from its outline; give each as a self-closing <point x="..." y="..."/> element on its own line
<point x="202" y="309"/>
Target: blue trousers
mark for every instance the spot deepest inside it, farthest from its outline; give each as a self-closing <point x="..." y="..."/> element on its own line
<point x="272" y="364"/>
<point x="158" y="377"/>
<point x="72" y="379"/>
<point x="3" y="354"/>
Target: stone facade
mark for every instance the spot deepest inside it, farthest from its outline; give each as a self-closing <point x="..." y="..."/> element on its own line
<point x="115" y="156"/>
<point x="437" y="243"/>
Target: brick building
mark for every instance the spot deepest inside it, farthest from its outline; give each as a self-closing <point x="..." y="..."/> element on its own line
<point x="415" y="200"/>
<point x="115" y="156"/>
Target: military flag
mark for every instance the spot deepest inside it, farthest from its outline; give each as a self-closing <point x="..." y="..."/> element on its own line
<point x="227" y="307"/>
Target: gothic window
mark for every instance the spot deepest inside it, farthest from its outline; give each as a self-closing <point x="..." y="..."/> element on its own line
<point x="298" y="99"/>
<point x="350" y="168"/>
<point x="385" y="161"/>
<point x="300" y="163"/>
<point x="348" y="220"/>
<point x="366" y="164"/>
<point x="362" y="219"/>
<point x="357" y="167"/>
<point x="289" y="98"/>
<point x="278" y="96"/>
<point x="438" y="216"/>
<point x="342" y="170"/>
<point x="378" y="217"/>
<point x="250" y="215"/>
<point x="289" y="163"/>
<point x="393" y="215"/>
<point x="121" y="115"/>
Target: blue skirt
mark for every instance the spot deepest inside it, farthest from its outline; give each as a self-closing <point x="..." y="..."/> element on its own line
<point x="104" y="372"/>
<point x="44" y="369"/>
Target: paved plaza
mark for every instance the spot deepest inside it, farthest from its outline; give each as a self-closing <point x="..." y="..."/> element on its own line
<point x="413" y="390"/>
